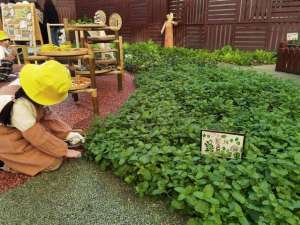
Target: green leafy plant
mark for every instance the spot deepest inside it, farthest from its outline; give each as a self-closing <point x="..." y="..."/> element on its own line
<point x="246" y="58"/>
<point x="153" y="142"/>
<point x="144" y="55"/>
<point x="141" y="56"/>
<point x="83" y="20"/>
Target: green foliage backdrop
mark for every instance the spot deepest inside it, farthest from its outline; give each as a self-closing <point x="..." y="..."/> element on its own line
<point x="145" y="55"/>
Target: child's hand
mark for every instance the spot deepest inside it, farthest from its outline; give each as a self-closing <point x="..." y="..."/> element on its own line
<point x="13" y="51"/>
<point x="11" y="57"/>
<point x="75" y="138"/>
<point x="73" y="154"/>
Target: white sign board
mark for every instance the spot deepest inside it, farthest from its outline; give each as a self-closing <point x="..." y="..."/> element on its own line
<point x="292" y="36"/>
<point x="229" y="145"/>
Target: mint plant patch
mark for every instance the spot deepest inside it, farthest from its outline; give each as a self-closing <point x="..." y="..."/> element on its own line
<point x="153" y="142"/>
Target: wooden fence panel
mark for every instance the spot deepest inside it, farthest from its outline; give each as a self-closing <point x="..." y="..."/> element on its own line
<point x="177" y="8"/>
<point x="194" y="11"/>
<point x="84" y="9"/>
<point x="127" y="32"/>
<point x="159" y="10"/>
<point x="250" y="36"/>
<point x="254" y="10"/>
<point x="195" y="36"/>
<point x="154" y="32"/>
<point x="139" y="33"/>
<point x="138" y="12"/>
<point x="285" y="10"/>
<point x="180" y="36"/>
<point x="278" y="33"/>
<point x="218" y="35"/>
<point x="288" y="58"/>
<point x="64" y="8"/>
<point x="211" y="24"/>
<point x="222" y="11"/>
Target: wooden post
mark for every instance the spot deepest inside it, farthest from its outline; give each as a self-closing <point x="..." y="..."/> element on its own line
<point x="297" y="59"/>
<point x="293" y="60"/>
<point x="285" y="58"/>
<point x="77" y="45"/>
<point x="94" y="86"/>
<point x="93" y="79"/>
<point x="121" y="64"/>
<point x="289" y="64"/>
<point x="49" y="33"/>
<point x="67" y="31"/>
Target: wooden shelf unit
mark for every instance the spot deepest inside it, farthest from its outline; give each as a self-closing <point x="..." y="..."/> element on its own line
<point x="115" y="66"/>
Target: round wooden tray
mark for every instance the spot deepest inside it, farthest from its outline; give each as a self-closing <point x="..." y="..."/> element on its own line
<point x="80" y="83"/>
<point x="72" y="52"/>
<point x="115" y="21"/>
<point x="90" y="25"/>
<point x="100" y="17"/>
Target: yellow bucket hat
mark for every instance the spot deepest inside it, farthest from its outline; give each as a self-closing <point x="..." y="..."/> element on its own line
<point x="46" y="84"/>
<point x="3" y="36"/>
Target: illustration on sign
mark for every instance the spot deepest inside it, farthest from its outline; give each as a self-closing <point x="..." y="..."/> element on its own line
<point x="228" y="145"/>
<point x="17" y="21"/>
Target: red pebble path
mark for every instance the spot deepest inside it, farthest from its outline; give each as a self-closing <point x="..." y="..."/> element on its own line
<point x="78" y="115"/>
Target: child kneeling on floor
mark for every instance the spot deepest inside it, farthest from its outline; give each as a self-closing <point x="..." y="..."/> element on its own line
<point x="33" y="138"/>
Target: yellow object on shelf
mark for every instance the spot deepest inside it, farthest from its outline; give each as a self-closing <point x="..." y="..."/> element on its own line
<point x="49" y="48"/>
<point x="64" y="52"/>
<point x="66" y="46"/>
<point x="52" y="48"/>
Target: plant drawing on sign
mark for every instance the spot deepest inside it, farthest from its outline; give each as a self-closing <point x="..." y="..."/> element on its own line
<point x="228" y="145"/>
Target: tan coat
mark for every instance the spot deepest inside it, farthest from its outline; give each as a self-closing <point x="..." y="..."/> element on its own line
<point x="37" y="148"/>
<point x="169" y="39"/>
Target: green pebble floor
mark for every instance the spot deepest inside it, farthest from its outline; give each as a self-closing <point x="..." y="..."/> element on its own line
<point x="79" y="193"/>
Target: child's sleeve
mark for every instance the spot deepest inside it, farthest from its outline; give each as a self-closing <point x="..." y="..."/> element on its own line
<point x="2" y="53"/>
<point x="23" y="114"/>
<point x="24" y="118"/>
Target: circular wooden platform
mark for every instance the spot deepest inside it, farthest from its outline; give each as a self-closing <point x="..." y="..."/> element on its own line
<point x="71" y="52"/>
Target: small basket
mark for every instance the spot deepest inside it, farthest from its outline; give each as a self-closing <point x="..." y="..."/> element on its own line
<point x="79" y="82"/>
<point x="115" y="22"/>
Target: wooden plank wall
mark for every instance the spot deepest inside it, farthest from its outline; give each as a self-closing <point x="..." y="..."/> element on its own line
<point x="142" y="19"/>
<point x="211" y="24"/>
<point x="65" y="8"/>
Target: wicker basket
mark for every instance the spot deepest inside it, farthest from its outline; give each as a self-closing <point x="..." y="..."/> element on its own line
<point x="79" y="82"/>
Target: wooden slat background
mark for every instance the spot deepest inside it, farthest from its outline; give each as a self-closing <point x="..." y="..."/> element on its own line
<point x="66" y="9"/>
<point x="211" y="24"/>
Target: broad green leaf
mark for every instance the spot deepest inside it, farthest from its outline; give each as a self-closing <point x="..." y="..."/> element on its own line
<point x="177" y="204"/>
<point x="208" y="191"/>
<point x="202" y="207"/>
<point x="297" y="158"/>
<point x="145" y="173"/>
<point x="194" y="221"/>
<point x="238" y="197"/>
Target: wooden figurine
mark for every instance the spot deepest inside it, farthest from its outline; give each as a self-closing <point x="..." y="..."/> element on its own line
<point x="168" y="29"/>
